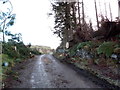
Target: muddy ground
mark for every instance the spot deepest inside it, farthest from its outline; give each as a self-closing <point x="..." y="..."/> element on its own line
<point x="47" y="72"/>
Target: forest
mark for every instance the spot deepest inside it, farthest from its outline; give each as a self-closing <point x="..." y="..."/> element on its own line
<point x="97" y="51"/>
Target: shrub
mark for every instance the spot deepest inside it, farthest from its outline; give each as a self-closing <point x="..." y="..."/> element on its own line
<point x="22" y="51"/>
<point x="6" y="58"/>
<point x="8" y="49"/>
<point x="106" y="48"/>
<point x="72" y="51"/>
<point x="34" y="51"/>
<point x="83" y="44"/>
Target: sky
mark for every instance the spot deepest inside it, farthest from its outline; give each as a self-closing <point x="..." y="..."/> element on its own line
<point x="90" y="9"/>
<point x="33" y="23"/>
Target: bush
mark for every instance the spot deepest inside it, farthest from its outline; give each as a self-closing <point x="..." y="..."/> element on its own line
<point x="6" y="58"/>
<point x="88" y="44"/>
<point x="6" y="69"/>
<point x="8" y="49"/>
<point x="34" y="51"/>
<point x="72" y="51"/>
<point x="106" y="48"/>
<point x="85" y="45"/>
<point x="21" y="51"/>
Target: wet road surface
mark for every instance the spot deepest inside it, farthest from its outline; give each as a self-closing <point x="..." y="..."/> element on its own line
<point x="46" y="72"/>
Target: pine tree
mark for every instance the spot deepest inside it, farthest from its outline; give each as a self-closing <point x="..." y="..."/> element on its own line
<point x="65" y="20"/>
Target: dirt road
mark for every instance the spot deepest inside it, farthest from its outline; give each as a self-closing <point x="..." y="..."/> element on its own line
<point x="46" y="72"/>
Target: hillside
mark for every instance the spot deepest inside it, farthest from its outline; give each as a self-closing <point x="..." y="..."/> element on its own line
<point x="42" y="49"/>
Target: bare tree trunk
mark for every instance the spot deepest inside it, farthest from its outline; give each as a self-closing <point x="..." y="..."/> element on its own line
<point x="74" y="14"/>
<point x="119" y="9"/>
<point x="110" y="11"/>
<point x="105" y="10"/>
<point x="83" y="12"/>
<point x="4" y="31"/>
<point x="100" y="7"/>
<point x="79" y="13"/>
<point x="96" y="14"/>
<point x="67" y="23"/>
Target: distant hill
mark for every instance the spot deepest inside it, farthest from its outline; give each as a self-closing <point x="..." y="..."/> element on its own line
<point x="42" y="49"/>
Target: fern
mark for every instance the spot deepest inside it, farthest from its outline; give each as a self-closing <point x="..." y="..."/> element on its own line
<point x="73" y="50"/>
<point x="106" y="48"/>
<point x="81" y="45"/>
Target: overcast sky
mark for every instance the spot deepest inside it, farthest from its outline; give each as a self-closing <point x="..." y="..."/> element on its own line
<point x="90" y="8"/>
<point x="33" y="22"/>
<point x="35" y="25"/>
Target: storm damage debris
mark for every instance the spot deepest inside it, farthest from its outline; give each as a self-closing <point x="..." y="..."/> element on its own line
<point x="108" y="31"/>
